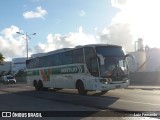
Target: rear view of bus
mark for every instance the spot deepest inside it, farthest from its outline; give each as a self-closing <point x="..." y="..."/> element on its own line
<point x="97" y="67"/>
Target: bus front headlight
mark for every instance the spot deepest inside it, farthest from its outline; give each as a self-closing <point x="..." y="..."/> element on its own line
<point x="104" y="80"/>
<point x="126" y="80"/>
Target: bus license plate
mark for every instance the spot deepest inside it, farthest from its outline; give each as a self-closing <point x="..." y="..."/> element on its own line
<point x="118" y="86"/>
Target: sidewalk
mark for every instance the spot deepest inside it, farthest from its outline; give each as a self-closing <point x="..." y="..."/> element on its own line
<point x="144" y="87"/>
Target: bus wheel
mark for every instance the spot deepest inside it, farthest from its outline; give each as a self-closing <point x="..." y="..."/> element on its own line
<point x="58" y="89"/>
<point x="40" y="85"/>
<point x="36" y="85"/>
<point x="80" y="88"/>
<point x="104" y="91"/>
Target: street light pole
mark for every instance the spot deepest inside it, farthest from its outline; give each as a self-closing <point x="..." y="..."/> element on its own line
<point x="27" y="36"/>
<point x="27" y="44"/>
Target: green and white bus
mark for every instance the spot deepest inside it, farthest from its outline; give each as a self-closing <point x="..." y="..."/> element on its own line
<point x="97" y="67"/>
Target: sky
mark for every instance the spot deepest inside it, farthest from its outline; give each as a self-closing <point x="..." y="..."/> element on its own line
<point x="68" y="23"/>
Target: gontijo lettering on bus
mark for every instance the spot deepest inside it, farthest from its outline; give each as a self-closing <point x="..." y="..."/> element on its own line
<point x="74" y="69"/>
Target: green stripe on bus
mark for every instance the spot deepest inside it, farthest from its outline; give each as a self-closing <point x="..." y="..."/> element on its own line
<point x="69" y="70"/>
<point x="32" y="72"/>
<point x="60" y="70"/>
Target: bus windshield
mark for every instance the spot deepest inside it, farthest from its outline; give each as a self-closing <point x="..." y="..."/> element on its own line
<point x="114" y="61"/>
<point x="110" y="51"/>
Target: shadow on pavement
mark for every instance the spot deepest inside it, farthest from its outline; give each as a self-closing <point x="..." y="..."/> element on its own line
<point x="46" y="102"/>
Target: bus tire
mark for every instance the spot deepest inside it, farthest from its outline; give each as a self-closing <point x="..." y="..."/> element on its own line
<point x="40" y="85"/>
<point x="104" y="91"/>
<point x="35" y="84"/>
<point x="80" y="87"/>
<point x="58" y="89"/>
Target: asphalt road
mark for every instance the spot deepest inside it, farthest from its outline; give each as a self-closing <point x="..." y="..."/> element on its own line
<point x="115" y="103"/>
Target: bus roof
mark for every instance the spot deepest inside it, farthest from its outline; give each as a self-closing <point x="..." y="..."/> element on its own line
<point x="94" y="45"/>
<point x="67" y="49"/>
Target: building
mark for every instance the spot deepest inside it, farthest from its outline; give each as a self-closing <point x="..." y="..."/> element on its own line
<point x="146" y="59"/>
<point x="18" y="64"/>
<point x="146" y="69"/>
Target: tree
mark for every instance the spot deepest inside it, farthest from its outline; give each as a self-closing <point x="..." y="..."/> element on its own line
<point x="1" y="58"/>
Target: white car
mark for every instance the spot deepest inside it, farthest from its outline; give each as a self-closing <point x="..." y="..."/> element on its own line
<point x="8" y="79"/>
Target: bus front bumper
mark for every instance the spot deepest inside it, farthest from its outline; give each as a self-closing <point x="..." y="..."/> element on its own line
<point x="111" y="86"/>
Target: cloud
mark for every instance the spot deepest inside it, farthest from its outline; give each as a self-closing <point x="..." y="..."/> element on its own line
<point x="96" y="28"/>
<point x="82" y="13"/>
<point x="9" y="32"/>
<point x="72" y="39"/>
<point x="118" y="34"/>
<point x="143" y="18"/>
<point x="12" y="45"/>
<point x="38" y="13"/>
<point x="119" y="3"/>
<point x="120" y="30"/>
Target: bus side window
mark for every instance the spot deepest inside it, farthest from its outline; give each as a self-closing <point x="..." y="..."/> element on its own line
<point x="78" y="56"/>
<point x="67" y="58"/>
<point x="28" y="64"/>
<point x="57" y="59"/>
<point x="37" y="62"/>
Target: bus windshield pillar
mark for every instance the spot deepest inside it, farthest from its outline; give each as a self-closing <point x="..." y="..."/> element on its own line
<point x="101" y="59"/>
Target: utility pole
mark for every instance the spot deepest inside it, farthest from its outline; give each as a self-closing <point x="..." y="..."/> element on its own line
<point x="27" y="37"/>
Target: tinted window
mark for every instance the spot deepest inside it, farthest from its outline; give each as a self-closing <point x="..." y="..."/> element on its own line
<point x="32" y="63"/>
<point x="78" y="56"/>
<point x="89" y="53"/>
<point x="36" y="62"/>
<point x="28" y="64"/>
<point x="42" y="62"/>
<point x="67" y="58"/>
<point x="57" y="59"/>
<point x="110" y="51"/>
<point x="91" y="61"/>
<point x="46" y="61"/>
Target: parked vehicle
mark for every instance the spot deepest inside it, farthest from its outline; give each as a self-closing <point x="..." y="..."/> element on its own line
<point x="8" y="79"/>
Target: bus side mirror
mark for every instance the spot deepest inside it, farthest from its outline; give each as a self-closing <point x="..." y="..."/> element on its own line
<point x="101" y="59"/>
<point x="132" y="57"/>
